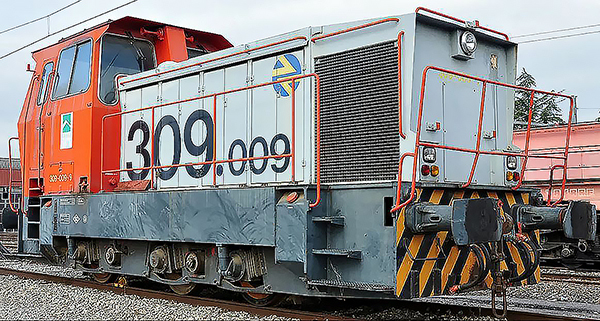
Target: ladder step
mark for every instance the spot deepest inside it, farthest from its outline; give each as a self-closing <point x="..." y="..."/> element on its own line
<point x="351" y="254"/>
<point x="375" y="287"/>
<point x="335" y="220"/>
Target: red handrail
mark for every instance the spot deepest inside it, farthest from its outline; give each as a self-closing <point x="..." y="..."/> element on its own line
<point x="10" y="180"/>
<point x="218" y="58"/>
<point x="354" y="28"/>
<point x="477" y="25"/>
<point x="214" y="161"/>
<point x="525" y="154"/>
<point x="478" y="144"/>
<point x="527" y="137"/>
<point x="400" y="35"/>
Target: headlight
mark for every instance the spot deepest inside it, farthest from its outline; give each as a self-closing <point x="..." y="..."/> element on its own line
<point x="429" y="154"/>
<point x="511" y="162"/>
<point x="468" y="43"/>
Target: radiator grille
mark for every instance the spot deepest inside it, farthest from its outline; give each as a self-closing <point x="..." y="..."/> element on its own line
<point x="359" y="114"/>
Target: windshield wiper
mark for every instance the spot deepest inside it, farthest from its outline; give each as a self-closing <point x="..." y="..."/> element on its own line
<point x="140" y="54"/>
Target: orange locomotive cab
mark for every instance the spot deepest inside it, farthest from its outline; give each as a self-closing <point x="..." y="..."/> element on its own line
<point x="73" y="88"/>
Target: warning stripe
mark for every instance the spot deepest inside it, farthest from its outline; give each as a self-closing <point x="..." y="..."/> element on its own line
<point x="423" y="243"/>
<point x="456" y="264"/>
<point x="402" y="259"/>
<point x="433" y="250"/>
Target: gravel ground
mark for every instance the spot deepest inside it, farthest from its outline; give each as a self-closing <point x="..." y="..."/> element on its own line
<point x="22" y="299"/>
<point x="35" y="299"/>
<point x="40" y="267"/>
<point x="19" y="298"/>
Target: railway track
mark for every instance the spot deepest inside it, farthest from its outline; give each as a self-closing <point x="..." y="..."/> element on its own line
<point x="568" y="276"/>
<point x="197" y="301"/>
<point x="447" y="303"/>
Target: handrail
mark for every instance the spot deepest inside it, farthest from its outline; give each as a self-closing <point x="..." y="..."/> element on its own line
<point x="354" y="28"/>
<point x="527" y="138"/>
<point x="214" y="161"/>
<point x="477" y="25"/>
<point x="217" y="58"/>
<point x="10" y="180"/>
<point x="400" y="36"/>
<point x="562" y="190"/>
<point x="525" y="154"/>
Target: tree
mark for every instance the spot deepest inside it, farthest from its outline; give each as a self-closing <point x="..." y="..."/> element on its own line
<point x="545" y="107"/>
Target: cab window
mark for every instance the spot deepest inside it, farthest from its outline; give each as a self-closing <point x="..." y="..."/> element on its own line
<point x="196" y="52"/>
<point x="122" y="56"/>
<point x="43" y="91"/>
<point x="73" y="71"/>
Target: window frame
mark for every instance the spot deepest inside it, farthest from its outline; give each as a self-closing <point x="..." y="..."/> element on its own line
<point x="100" y="63"/>
<point x="46" y="92"/>
<point x="58" y="60"/>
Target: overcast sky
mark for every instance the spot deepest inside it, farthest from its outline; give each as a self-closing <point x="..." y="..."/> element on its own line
<point x="570" y="64"/>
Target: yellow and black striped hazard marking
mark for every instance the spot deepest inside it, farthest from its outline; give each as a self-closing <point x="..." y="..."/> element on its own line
<point x="429" y="264"/>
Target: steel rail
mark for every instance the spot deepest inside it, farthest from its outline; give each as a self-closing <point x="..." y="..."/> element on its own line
<point x="477" y="25"/>
<point x="477" y="151"/>
<point x="216" y="59"/>
<point x="214" y="160"/>
<point x="416" y="305"/>
<point x="197" y="301"/>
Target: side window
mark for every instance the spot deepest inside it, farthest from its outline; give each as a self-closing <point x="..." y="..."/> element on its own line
<point x="122" y="56"/>
<point x="73" y="71"/>
<point x="43" y="91"/>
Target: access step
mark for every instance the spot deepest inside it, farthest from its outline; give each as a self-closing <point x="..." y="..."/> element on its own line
<point x="362" y="286"/>
<point x="351" y="254"/>
<point x="334" y="220"/>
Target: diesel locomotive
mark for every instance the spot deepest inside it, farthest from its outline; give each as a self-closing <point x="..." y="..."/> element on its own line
<point x="369" y="159"/>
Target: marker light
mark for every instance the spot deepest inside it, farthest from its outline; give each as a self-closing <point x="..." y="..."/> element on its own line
<point x="435" y="170"/>
<point x="468" y="43"/>
<point x="511" y="162"/>
<point x="425" y="170"/>
<point x="509" y="176"/>
<point x="429" y="154"/>
<point x="516" y="176"/>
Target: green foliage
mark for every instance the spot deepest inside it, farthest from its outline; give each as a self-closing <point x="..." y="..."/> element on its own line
<point x="545" y="107"/>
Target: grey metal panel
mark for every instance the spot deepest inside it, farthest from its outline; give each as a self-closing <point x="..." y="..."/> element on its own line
<point x="46" y="224"/>
<point x="364" y="230"/>
<point x="290" y="231"/>
<point x="454" y="102"/>
<point x="204" y="216"/>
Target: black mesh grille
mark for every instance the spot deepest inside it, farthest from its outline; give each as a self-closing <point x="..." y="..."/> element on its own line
<point x="359" y="114"/>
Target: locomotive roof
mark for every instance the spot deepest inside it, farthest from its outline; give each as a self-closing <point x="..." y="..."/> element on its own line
<point x="217" y="40"/>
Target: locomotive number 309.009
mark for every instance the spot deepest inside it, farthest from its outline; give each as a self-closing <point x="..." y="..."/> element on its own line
<point x="258" y="147"/>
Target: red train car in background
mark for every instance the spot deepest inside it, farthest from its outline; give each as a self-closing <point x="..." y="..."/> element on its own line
<point x="8" y="189"/>
<point x="583" y="181"/>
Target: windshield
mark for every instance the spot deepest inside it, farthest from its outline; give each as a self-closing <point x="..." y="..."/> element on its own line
<point x="122" y="55"/>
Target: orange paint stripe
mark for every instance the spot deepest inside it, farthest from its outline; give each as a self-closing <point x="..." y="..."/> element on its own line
<point x="516" y="257"/>
<point x="449" y="265"/>
<point x="434" y="251"/>
<point x="406" y="264"/>
<point x="538" y="271"/>
<point x="465" y="275"/>
<point x="435" y="198"/>
<point x="510" y="198"/>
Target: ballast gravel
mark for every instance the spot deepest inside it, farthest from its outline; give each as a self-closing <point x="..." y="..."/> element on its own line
<point x="22" y="299"/>
<point x="40" y="267"/>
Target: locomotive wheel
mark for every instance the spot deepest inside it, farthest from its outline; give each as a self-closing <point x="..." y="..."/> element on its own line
<point x="104" y="277"/>
<point x="182" y="289"/>
<point x="260" y="299"/>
